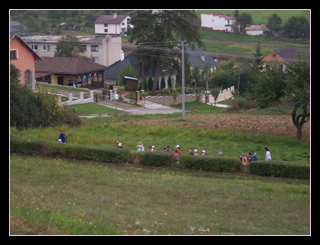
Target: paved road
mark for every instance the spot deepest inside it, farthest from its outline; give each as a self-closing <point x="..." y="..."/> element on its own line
<point x="150" y="107"/>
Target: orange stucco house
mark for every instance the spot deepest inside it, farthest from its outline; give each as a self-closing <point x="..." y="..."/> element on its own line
<point x="23" y="57"/>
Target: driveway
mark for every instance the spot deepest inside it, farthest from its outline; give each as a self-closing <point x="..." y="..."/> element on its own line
<point x="152" y="108"/>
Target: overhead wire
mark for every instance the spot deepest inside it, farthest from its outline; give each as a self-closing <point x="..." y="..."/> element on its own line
<point x="149" y="46"/>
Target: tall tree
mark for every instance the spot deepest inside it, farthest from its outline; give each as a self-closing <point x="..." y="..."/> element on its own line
<point x="298" y="91"/>
<point x="274" y="23"/>
<point x="292" y="84"/>
<point x="243" y="20"/>
<point x="297" y="27"/>
<point x="167" y="28"/>
<point x="257" y="65"/>
<point x="143" y="23"/>
<point x="69" y="46"/>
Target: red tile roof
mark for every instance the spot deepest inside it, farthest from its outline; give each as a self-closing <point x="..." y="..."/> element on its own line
<point x="226" y="16"/>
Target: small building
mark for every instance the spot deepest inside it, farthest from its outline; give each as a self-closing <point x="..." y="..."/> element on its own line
<point x="112" y="24"/>
<point x="24" y="58"/>
<point x="131" y="82"/>
<point x="217" y="22"/>
<point x="256" y="30"/>
<point x="64" y="70"/>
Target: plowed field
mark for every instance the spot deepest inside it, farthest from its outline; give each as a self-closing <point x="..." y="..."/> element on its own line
<point x="280" y="125"/>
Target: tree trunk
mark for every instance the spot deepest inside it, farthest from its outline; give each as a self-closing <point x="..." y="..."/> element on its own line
<point x="299" y="120"/>
<point x="142" y="76"/>
<point x="156" y="74"/>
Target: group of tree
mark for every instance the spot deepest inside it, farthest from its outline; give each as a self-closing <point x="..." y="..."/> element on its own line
<point x="278" y="82"/>
<point x="29" y="109"/>
<point x="157" y="33"/>
<point x="37" y="20"/>
<point x="295" y="27"/>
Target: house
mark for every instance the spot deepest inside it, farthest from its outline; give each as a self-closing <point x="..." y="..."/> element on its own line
<point x="256" y="30"/>
<point x="217" y="22"/>
<point x="283" y="56"/>
<point x="286" y="55"/>
<point x="68" y="26"/>
<point x="103" y="50"/>
<point x="112" y="72"/>
<point x="64" y="70"/>
<point x="198" y="58"/>
<point x="18" y="28"/>
<point x="112" y="24"/>
<point x="23" y="57"/>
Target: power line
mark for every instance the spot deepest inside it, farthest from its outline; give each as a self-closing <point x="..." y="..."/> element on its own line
<point x="149" y="46"/>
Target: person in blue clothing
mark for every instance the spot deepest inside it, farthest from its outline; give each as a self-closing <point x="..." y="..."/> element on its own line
<point x="62" y="138"/>
<point x="254" y="158"/>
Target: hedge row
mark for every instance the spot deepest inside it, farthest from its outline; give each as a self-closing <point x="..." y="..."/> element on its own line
<point x="280" y="169"/>
<point x="116" y="155"/>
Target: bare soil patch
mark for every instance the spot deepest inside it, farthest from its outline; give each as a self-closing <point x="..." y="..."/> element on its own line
<point x="280" y="125"/>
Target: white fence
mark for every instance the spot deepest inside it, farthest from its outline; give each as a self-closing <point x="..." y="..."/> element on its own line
<point x="78" y="101"/>
<point x="224" y="95"/>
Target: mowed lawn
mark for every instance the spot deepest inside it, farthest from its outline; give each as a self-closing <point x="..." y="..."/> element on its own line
<point x="55" y="196"/>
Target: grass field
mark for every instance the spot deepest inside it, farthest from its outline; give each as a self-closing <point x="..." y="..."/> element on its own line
<point x="55" y="196"/>
<point x="232" y="143"/>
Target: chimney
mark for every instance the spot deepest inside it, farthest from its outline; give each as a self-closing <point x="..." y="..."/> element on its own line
<point x="202" y="57"/>
<point x="115" y="15"/>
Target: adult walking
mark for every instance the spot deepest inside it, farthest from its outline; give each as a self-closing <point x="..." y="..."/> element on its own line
<point x="268" y="154"/>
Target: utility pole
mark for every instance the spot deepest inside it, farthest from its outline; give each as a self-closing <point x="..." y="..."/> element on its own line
<point x="183" y="83"/>
<point x="275" y="51"/>
<point x="239" y="79"/>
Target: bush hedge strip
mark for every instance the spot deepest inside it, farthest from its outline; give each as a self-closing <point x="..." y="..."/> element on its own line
<point x="156" y="159"/>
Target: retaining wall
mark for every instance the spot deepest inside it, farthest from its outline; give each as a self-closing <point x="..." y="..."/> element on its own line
<point x="79" y="101"/>
<point x="168" y="100"/>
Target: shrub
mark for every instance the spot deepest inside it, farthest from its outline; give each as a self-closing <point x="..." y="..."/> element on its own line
<point x="216" y="164"/>
<point x="280" y="169"/>
<point x="34" y="109"/>
<point x="155" y="159"/>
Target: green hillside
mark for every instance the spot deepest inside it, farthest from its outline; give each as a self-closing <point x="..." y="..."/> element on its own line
<point x="261" y="16"/>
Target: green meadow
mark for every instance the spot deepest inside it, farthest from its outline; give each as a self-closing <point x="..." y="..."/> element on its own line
<point x="102" y="131"/>
<point x="67" y="197"/>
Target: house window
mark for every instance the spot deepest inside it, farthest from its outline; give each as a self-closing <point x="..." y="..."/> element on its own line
<point x="14" y="54"/>
<point x="84" y="48"/>
<point x="95" y="59"/>
<point x="105" y="30"/>
<point x="34" y="47"/>
<point x="105" y="25"/>
<point x="45" y="47"/>
<point x="122" y="23"/>
<point x="94" y="48"/>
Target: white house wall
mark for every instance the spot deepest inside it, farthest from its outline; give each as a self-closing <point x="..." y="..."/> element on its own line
<point x="254" y="32"/>
<point x="112" y="28"/>
<point x="216" y="23"/>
